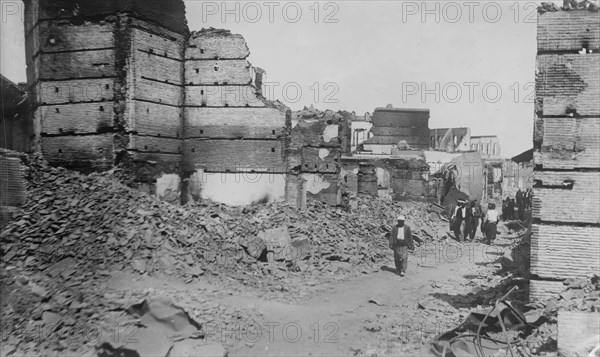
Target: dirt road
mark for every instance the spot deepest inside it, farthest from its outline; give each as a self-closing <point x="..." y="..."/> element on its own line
<point x="377" y="312"/>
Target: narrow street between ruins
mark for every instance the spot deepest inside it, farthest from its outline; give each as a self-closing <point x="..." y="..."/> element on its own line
<point x="374" y="313"/>
<point x="161" y="195"/>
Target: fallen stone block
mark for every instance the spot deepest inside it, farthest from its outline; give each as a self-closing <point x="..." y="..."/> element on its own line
<point x="578" y="332"/>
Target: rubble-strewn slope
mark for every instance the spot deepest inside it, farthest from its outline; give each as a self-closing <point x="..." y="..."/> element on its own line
<point x="74" y="230"/>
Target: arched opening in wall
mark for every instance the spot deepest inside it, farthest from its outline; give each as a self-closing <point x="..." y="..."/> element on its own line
<point x="455" y="140"/>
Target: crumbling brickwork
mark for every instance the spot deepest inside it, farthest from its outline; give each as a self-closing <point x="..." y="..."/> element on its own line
<point x="106" y="80"/>
<point x="566" y="222"/>
<point x="450" y="139"/>
<point x="318" y="140"/>
<point x="126" y="83"/>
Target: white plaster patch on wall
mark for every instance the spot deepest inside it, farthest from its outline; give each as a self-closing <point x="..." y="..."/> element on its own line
<point x="323" y="153"/>
<point x="294" y="123"/>
<point x="330" y="132"/>
<point x="241" y="189"/>
<point x="383" y="177"/>
<point x="195" y="184"/>
<point x="167" y="185"/>
<point x="315" y="183"/>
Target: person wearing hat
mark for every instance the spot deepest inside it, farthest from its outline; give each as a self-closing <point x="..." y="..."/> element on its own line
<point x="401" y="242"/>
<point x="458" y="216"/>
<point x="472" y="222"/>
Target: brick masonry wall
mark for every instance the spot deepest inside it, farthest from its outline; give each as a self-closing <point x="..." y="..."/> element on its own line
<point x="127" y="77"/>
<point x="564" y="240"/>
<point x="227" y="126"/>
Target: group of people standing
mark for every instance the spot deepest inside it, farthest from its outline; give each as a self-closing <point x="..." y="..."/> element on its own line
<point x="468" y="216"/>
<point x="514" y="208"/>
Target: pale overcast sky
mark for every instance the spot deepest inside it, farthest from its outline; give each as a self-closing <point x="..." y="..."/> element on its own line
<point x="471" y="63"/>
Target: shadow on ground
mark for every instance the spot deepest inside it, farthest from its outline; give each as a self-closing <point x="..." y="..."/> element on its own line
<point x="488" y="296"/>
<point x="388" y="269"/>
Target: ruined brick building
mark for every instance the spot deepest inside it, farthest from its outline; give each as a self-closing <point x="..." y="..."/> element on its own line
<point x="125" y="83"/>
<point x="566" y="214"/>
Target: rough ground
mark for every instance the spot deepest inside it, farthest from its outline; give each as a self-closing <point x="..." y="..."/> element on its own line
<point x="377" y="312"/>
<point x="75" y="259"/>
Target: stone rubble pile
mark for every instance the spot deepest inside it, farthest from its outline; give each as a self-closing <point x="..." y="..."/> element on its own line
<point x="579" y="295"/>
<point x="75" y="230"/>
<point x="98" y="224"/>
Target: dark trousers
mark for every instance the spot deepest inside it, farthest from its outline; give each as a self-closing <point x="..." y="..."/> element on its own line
<point x="490" y="232"/>
<point x="401" y="259"/>
<point x="473" y="225"/>
<point x="456" y="228"/>
<point x="521" y="212"/>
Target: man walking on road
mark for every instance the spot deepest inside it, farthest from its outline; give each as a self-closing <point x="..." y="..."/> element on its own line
<point x="459" y="215"/>
<point x="401" y="242"/>
<point x="473" y="216"/>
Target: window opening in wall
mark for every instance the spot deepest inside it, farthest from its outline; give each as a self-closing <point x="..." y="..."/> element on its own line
<point x="273" y="132"/>
<point x="147" y="110"/>
<point x="201" y="131"/>
<point x="60" y="150"/>
<point x="107" y="86"/>
<point x="197" y="70"/>
<point x="216" y="68"/>
<point x="193" y="150"/>
<point x="56" y="89"/>
<point x="101" y="108"/>
<point x="145" y="148"/>
<point x="57" y="110"/>
<point x="202" y="91"/>
<point x="151" y="51"/>
<point x="272" y="149"/>
<point x="202" y="51"/>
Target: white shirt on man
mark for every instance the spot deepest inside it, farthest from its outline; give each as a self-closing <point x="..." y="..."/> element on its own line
<point x="491" y="216"/>
<point x="400" y="235"/>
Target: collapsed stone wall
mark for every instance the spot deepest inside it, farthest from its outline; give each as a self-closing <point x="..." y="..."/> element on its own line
<point x="395" y="179"/>
<point x="318" y="140"/>
<point x="124" y="83"/>
<point x="232" y="134"/>
<point x="566" y="215"/>
<point x="106" y="81"/>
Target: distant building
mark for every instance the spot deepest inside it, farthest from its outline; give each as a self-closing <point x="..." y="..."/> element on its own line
<point x="450" y="139"/>
<point x="361" y="126"/>
<point x="488" y="146"/>
<point x="517" y="173"/>
<point x="392" y="126"/>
